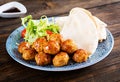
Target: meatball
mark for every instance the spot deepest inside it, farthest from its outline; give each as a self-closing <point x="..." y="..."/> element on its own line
<point x="23" y="46"/>
<point x="29" y="54"/>
<point x="38" y="44"/>
<point x="56" y="37"/>
<point x="61" y="59"/>
<point x="42" y="59"/>
<point x="52" y="47"/>
<point x="69" y="46"/>
<point x="80" y="56"/>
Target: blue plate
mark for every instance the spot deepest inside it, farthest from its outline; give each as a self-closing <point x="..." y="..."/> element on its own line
<point x="101" y="52"/>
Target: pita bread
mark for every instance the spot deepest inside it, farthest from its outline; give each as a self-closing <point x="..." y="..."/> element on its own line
<point x="60" y="21"/>
<point x="101" y="26"/>
<point x="101" y="29"/>
<point x="81" y="29"/>
<point x="84" y="28"/>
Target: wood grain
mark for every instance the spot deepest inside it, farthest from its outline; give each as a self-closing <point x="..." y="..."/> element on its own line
<point x="108" y="70"/>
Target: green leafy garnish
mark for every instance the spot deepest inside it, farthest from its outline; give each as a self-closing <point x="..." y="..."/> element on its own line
<point x="26" y="19"/>
<point x="37" y="28"/>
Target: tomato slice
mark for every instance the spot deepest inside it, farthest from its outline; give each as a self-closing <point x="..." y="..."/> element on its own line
<point x="49" y="32"/>
<point x="23" y="33"/>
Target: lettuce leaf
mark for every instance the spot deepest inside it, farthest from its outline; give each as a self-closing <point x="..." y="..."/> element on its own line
<point x="37" y="28"/>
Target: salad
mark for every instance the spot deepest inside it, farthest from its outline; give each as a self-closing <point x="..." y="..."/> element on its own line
<point x="38" y="28"/>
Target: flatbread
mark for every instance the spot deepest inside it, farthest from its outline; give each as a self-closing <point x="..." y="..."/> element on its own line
<point x="81" y="29"/>
<point x="101" y="29"/>
<point x="101" y="26"/>
<point x="84" y="28"/>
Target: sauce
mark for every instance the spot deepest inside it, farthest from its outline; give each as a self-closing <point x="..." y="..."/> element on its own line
<point x="12" y="10"/>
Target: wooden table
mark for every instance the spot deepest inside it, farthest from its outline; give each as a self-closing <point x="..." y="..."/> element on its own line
<point x="107" y="70"/>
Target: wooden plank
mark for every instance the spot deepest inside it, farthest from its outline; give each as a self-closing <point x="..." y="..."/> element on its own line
<point x="56" y="8"/>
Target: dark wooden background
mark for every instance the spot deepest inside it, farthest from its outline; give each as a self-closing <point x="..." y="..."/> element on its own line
<point x="107" y="70"/>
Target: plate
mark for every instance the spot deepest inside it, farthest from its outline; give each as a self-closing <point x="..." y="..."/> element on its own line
<point x="101" y="52"/>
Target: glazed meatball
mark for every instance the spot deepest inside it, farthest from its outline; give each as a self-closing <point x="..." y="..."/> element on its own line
<point x="23" y="46"/>
<point x="68" y="46"/>
<point x="61" y="59"/>
<point x="42" y="59"/>
<point x="80" y="56"/>
<point x="29" y="54"/>
<point x="56" y="37"/>
<point x="38" y="44"/>
<point x="52" y="47"/>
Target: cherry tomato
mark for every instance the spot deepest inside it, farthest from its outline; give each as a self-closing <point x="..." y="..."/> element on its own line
<point x="23" y="33"/>
<point x="49" y="32"/>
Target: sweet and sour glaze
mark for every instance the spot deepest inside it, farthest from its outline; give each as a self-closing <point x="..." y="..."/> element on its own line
<point x="52" y="50"/>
